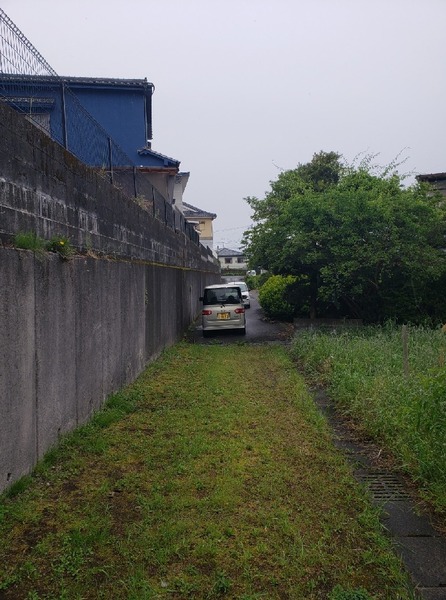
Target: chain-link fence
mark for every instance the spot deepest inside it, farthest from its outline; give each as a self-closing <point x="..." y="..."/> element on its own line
<point x="30" y="85"/>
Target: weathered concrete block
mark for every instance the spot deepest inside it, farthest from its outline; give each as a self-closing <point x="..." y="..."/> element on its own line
<point x="18" y="440"/>
<point x="55" y="301"/>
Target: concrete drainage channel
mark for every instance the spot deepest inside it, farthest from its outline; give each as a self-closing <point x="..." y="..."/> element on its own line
<point x="421" y="547"/>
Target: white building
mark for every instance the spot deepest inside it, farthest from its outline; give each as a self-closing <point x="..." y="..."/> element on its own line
<point x="231" y="259"/>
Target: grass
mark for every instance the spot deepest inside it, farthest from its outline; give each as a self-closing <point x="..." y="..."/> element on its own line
<point x="29" y="241"/>
<point x="61" y="245"/>
<point x="212" y="476"/>
<point x="364" y="372"/>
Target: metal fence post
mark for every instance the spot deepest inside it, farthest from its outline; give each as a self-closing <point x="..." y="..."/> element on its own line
<point x="110" y="159"/>
<point x="135" y="187"/>
<point x="64" y="117"/>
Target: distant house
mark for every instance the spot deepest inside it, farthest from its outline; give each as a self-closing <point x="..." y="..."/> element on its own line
<point x="231" y="259"/>
<point x="202" y="221"/>
<point x="121" y="107"/>
<point x="437" y="180"/>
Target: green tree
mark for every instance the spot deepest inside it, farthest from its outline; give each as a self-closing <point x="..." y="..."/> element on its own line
<point x="368" y="246"/>
<point x="269" y="242"/>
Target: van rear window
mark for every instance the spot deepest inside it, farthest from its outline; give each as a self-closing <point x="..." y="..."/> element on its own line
<point x="223" y="295"/>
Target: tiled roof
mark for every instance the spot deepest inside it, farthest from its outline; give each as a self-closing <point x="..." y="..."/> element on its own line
<point x="98" y="81"/>
<point x="192" y="211"/>
<point x="148" y="151"/>
<point x="431" y="177"/>
<point x="222" y="252"/>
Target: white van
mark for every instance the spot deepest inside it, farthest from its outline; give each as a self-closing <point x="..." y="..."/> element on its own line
<point x="222" y="308"/>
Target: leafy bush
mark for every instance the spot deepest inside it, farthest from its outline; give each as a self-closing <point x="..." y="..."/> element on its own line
<point x="273" y="297"/>
<point x="262" y="279"/>
<point x="252" y="282"/>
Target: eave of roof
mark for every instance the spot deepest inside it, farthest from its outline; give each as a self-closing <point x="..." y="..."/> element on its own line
<point x="192" y="211"/>
<point x="158" y="169"/>
<point x="431" y="177"/>
<point x="166" y="159"/>
<point x="82" y="81"/>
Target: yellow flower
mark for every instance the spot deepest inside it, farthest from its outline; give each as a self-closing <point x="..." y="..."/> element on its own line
<point x="61" y="242"/>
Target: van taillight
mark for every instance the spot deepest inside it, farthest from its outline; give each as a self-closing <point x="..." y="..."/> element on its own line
<point x="239" y="311"/>
<point x="206" y="312"/>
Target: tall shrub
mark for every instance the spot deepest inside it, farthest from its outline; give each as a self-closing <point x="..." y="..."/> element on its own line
<point x="273" y="297"/>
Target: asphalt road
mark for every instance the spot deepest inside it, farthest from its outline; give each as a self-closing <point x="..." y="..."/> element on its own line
<point x="258" y="329"/>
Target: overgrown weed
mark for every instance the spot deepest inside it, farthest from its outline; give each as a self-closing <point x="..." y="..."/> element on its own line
<point x="364" y="373"/>
<point x="59" y="244"/>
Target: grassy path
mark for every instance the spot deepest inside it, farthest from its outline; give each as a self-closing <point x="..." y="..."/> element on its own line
<point x="212" y="476"/>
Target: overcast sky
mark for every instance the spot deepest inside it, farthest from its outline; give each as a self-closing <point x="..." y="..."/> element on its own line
<point x="245" y="88"/>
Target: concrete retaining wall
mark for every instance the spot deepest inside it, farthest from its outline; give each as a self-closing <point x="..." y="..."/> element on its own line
<point x="74" y="331"/>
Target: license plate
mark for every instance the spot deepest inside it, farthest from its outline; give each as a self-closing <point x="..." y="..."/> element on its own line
<point x="225" y="315"/>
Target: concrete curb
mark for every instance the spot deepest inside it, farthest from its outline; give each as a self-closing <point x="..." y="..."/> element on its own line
<point x="421" y="547"/>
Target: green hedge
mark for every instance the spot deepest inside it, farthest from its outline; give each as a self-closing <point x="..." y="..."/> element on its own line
<point x="273" y="297"/>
